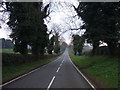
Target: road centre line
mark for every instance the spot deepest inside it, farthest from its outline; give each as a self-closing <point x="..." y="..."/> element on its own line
<point x="58" y="69"/>
<point x="60" y="64"/>
<point x="54" y="76"/>
<point x="51" y="83"/>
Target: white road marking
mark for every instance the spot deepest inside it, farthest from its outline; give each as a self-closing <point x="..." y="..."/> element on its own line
<point x="82" y="74"/>
<point x="51" y="83"/>
<point x="54" y="76"/>
<point x="59" y="57"/>
<point x="26" y="73"/>
<point x="60" y="64"/>
<point x="58" y="69"/>
<point x="19" y="77"/>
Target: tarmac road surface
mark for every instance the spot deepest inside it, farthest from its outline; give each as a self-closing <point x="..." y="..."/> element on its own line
<point x="60" y="73"/>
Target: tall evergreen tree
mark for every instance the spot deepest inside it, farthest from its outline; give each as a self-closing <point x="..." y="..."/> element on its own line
<point x="19" y="22"/>
<point x="101" y="21"/>
<point x="27" y="24"/>
<point x="50" y="46"/>
<point x="40" y="33"/>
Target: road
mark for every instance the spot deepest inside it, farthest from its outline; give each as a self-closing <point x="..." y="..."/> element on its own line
<point x="58" y="74"/>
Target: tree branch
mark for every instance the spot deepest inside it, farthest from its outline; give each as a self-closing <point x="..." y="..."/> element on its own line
<point x="76" y="29"/>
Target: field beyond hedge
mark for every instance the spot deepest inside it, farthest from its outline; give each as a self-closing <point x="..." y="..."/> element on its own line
<point x="6" y="51"/>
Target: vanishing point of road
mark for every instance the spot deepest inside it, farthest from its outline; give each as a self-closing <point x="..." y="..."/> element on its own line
<point x="60" y="73"/>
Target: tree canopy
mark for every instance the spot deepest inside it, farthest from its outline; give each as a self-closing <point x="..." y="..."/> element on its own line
<point x="27" y="23"/>
<point x="78" y="44"/>
<point x="102" y="23"/>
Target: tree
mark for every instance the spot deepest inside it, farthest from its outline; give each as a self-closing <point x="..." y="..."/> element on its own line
<point x="55" y="31"/>
<point x="57" y="48"/>
<point x="56" y="44"/>
<point x="19" y="23"/>
<point x="27" y="24"/>
<point x="101" y="21"/>
<point x="50" y="46"/>
<point x="41" y="37"/>
<point x="78" y="44"/>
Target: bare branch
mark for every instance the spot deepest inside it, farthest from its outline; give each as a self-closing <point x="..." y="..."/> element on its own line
<point x="2" y="7"/>
<point x="76" y="29"/>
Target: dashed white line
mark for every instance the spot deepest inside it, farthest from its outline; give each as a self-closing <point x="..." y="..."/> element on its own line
<point x="59" y="57"/>
<point x="58" y="69"/>
<point x="60" y="64"/>
<point x="51" y="83"/>
<point x="62" y="61"/>
<point x="54" y="76"/>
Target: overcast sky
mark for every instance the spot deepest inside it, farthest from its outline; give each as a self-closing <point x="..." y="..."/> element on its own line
<point x="61" y="15"/>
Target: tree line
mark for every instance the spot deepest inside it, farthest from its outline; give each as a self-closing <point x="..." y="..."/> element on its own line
<point x="26" y="20"/>
<point x="101" y="20"/>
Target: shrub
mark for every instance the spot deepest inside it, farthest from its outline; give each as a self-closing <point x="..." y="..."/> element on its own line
<point x="104" y="50"/>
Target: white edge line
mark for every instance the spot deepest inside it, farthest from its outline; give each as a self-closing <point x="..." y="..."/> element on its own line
<point x="20" y="77"/>
<point x="26" y="73"/>
<point x="82" y="74"/>
<point x="51" y="83"/>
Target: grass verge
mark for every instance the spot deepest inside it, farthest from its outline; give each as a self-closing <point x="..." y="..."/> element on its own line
<point x="10" y="72"/>
<point x="7" y="51"/>
<point x="10" y="51"/>
<point x="104" y="69"/>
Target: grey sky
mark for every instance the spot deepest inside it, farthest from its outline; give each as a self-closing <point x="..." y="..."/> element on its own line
<point x="61" y="15"/>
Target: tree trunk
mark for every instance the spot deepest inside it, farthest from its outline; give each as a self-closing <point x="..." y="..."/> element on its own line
<point x="35" y="50"/>
<point x="75" y="52"/>
<point x="95" y="46"/>
<point x="79" y="53"/>
<point x="112" y="48"/>
<point x="23" y="49"/>
<point x="50" y="51"/>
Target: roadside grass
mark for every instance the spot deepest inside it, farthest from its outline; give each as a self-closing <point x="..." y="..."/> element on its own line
<point x="10" y="72"/>
<point x="10" y="51"/>
<point x="7" y="51"/>
<point x="0" y="50"/>
<point x="101" y="67"/>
